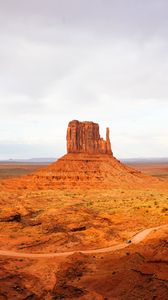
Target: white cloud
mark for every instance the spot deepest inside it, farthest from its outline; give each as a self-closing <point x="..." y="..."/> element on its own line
<point x="104" y="65"/>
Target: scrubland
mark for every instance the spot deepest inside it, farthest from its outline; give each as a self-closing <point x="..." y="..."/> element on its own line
<point x="58" y="220"/>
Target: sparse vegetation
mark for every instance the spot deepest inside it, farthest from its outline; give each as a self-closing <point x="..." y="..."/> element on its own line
<point x="164" y="209"/>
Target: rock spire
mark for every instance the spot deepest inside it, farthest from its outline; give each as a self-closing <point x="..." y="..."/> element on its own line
<point x="84" y="137"/>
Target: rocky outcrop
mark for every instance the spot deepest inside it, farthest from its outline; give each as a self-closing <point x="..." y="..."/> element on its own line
<point x="84" y="137"/>
<point x="89" y="163"/>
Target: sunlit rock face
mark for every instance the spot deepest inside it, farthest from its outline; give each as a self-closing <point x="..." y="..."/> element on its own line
<point x="84" y="137"/>
<point x="89" y="163"/>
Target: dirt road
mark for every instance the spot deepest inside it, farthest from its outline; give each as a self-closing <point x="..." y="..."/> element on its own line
<point x="140" y="236"/>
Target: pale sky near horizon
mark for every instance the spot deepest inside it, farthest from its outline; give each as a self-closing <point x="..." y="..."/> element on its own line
<point x="101" y="60"/>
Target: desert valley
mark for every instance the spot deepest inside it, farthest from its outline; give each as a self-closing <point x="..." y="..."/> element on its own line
<point x="85" y="226"/>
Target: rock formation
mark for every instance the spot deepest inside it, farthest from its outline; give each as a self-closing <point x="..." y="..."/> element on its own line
<point x="89" y="163"/>
<point x="84" y="137"/>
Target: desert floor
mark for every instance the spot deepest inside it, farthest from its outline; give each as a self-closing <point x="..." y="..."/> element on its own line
<point x="61" y="220"/>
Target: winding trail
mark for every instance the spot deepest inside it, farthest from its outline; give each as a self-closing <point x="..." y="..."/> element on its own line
<point x="137" y="238"/>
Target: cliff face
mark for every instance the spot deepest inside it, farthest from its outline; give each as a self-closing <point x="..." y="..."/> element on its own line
<point x="84" y="137"/>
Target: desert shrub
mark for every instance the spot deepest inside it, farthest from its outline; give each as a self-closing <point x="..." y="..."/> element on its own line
<point x="164" y="209"/>
<point x="90" y="203"/>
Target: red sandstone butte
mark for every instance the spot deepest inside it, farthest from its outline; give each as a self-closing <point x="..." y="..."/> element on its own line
<point x="89" y="163"/>
<point x="84" y="137"/>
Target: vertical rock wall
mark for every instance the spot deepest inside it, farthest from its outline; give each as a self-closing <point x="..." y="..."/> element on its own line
<point x="84" y="137"/>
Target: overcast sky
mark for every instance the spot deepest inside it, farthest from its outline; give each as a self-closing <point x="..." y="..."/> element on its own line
<point x="99" y="60"/>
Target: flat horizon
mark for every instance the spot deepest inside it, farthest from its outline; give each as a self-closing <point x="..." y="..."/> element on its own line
<point x="45" y="159"/>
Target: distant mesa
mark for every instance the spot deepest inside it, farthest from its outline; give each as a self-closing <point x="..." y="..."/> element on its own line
<point x="84" y="137"/>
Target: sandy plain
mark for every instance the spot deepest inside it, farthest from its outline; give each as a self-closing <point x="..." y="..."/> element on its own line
<point x="59" y="220"/>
